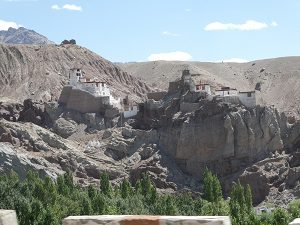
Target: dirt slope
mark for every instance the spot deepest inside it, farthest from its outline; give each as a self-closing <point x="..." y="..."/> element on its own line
<point x="279" y="77"/>
<point x="39" y="72"/>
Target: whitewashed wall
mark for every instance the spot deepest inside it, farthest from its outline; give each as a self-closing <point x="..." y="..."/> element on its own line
<point x="147" y="220"/>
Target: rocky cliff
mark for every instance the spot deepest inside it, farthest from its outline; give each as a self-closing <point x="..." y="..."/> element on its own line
<point x="235" y="142"/>
<point x="257" y="146"/>
<point x="277" y="79"/>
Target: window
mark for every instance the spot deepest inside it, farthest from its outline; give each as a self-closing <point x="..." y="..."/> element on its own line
<point x="228" y="92"/>
<point x="249" y="94"/>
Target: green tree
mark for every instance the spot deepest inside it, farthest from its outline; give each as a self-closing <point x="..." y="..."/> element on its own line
<point x="170" y="207"/>
<point x="241" y="204"/>
<point x="212" y="190"/>
<point x="126" y="189"/>
<point x="294" y="208"/>
<point x="146" y="184"/>
<point x="280" y="217"/>
<point x="105" y="185"/>
<point x="98" y="204"/>
<point x="138" y="187"/>
<point x="86" y="206"/>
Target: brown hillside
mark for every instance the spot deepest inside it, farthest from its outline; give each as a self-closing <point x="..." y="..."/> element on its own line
<point x="40" y="72"/>
<point x="279" y="77"/>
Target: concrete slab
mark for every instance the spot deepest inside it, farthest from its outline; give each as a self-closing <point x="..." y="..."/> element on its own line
<point x="146" y="220"/>
<point x="8" y="217"/>
<point x="295" y="222"/>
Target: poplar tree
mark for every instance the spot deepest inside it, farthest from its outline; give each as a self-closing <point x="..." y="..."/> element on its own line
<point x="105" y="187"/>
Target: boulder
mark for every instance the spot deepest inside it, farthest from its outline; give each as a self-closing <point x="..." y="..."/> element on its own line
<point x="293" y="176"/>
<point x="258" y="183"/>
<point x="111" y="113"/>
<point x="65" y="128"/>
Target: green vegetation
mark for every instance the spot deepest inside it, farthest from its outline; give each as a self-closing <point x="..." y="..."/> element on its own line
<point x="44" y="202"/>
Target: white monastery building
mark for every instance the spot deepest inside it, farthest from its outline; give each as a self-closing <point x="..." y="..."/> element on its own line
<point x="95" y="87"/>
<point x="203" y="87"/>
<point x="226" y="91"/>
<point x="101" y="89"/>
<point x="248" y="98"/>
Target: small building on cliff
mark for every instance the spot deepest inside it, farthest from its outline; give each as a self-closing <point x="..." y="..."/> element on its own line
<point x="130" y="109"/>
<point x="230" y="95"/>
<point x="248" y="98"/>
<point x="203" y="91"/>
<point x="93" y="86"/>
<point x="87" y="95"/>
<point x="226" y="91"/>
<point x="203" y="87"/>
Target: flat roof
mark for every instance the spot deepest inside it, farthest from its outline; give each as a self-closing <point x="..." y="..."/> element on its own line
<point x="201" y="84"/>
<point x="94" y="81"/>
<point x="246" y="91"/>
<point x="233" y="89"/>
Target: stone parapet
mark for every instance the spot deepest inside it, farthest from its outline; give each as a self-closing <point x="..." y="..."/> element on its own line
<point x="295" y="222"/>
<point x="8" y="217"/>
<point x="147" y="220"/>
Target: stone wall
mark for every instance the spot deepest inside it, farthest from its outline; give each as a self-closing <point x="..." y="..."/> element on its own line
<point x="188" y="107"/>
<point x="8" y="217"/>
<point x="233" y="99"/>
<point x="175" y="86"/>
<point x="156" y="95"/>
<point x="248" y="99"/>
<point x="65" y="94"/>
<point x="147" y="220"/>
<point x="83" y="101"/>
<point x="295" y="222"/>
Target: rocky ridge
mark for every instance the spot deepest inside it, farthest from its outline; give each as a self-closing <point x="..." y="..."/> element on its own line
<point x="22" y="36"/>
<point x="39" y="72"/>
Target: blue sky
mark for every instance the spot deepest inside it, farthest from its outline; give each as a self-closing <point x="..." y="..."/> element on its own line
<point x="141" y="30"/>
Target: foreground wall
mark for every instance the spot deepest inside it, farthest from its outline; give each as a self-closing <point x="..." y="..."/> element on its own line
<point x="147" y="220"/>
<point x="8" y="217"/>
<point x="295" y="222"/>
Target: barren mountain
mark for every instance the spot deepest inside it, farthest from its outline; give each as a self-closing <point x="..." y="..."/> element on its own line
<point x="277" y="78"/>
<point x="40" y="71"/>
<point x="22" y="36"/>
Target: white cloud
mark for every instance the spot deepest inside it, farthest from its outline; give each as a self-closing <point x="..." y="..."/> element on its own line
<point x="274" y="24"/>
<point x="4" y="25"/>
<point x="168" y="33"/>
<point x="248" y="25"/>
<point x="71" y="7"/>
<point x="20" y="0"/>
<point x="170" y="56"/>
<point x="234" y="60"/>
<point x="55" y="7"/>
